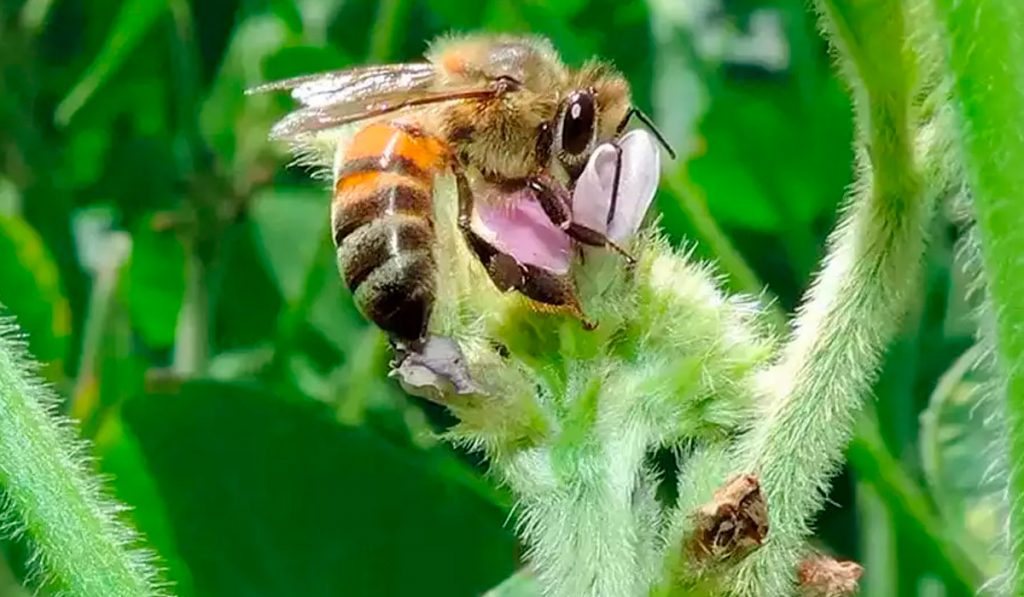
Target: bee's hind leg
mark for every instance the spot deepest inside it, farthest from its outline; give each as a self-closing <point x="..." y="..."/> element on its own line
<point x="548" y="292"/>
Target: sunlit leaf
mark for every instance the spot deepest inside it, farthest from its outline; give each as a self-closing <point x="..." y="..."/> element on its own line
<point x="10" y="198"/>
<point x="240" y="363"/>
<point x="272" y="497"/>
<point x="131" y="25"/>
<point x="31" y="290"/>
<point x="520" y="584"/>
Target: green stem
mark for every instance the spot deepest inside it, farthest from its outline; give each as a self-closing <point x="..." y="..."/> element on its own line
<point x="877" y="537"/>
<point x="49" y="494"/>
<point x="985" y="43"/>
<point x="854" y="306"/>
<point x="192" y="340"/>
<point x="106" y="276"/>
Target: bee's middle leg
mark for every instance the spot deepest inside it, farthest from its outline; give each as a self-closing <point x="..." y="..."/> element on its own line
<point x="548" y="291"/>
<point x="555" y="200"/>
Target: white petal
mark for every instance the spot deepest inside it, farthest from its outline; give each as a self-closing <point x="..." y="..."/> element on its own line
<point x="638" y="183"/>
<point x="591" y="199"/>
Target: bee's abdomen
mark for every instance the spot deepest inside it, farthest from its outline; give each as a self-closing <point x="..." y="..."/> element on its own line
<point x="383" y="226"/>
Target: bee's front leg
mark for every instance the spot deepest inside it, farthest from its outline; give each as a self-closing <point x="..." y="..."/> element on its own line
<point x="555" y="200"/>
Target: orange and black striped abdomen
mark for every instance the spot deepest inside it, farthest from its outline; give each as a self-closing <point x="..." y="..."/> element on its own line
<point x="383" y="225"/>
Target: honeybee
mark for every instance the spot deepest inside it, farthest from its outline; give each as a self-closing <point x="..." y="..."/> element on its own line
<point x="539" y="153"/>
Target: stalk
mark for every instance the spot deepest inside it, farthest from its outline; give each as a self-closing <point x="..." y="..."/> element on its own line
<point x="856" y="302"/>
<point x="985" y="44"/>
<point x="80" y="548"/>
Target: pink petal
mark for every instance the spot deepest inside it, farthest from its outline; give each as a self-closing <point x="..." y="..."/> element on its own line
<point x="518" y="226"/>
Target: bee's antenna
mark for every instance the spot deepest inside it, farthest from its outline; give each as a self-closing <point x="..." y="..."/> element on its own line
<point x="644" y="118"/>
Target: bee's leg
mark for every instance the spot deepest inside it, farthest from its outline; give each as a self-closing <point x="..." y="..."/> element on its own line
<point x="555" y="201"/>
<point x="547" y="291"/>
<point x="504" y="270"/>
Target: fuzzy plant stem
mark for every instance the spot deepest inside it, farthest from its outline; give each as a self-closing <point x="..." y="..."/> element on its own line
<point x="985" y="43"/>
<point x="79" y="547"/>
<point x="853" y="308"/>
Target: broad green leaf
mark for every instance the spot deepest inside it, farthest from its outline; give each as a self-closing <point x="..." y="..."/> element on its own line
<point x="290" y="227"/>
<point x="31" y="290"/>
<point x="155" y="285"/>
<point x="271" y="497"/>
<point x="129" y="481"/>
<point x="131" y="25"/>
<point x="959" y="432"/>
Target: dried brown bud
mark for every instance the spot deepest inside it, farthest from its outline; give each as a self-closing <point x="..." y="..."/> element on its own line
<point x="733" y="524"/>
<point x="824" y="576"/>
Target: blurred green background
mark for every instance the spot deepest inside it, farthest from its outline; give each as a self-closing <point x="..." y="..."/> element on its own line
<point x="178" y="282"/>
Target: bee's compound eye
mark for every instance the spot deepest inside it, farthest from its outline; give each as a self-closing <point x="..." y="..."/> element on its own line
<point x="578" y="123"/>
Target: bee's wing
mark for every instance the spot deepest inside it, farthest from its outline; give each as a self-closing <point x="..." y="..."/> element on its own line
<point x="638" y="165"/>
<point x="338" y="98"/>
<point x="353" y="84"/>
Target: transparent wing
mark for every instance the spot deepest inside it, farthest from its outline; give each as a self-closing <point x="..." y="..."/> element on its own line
<point x="338" y="98"/>
<point x="353" y="84"/>
<point x="312" y="119"/>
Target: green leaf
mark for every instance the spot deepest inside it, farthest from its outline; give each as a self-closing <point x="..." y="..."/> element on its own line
<point x="957" y="432"/>
<point x="334" y="315"/>
<point x="458" y="14"/>
<point x="269" y="497"/>
<point x="520" y="584"/>
<point x="128" y="480"/>
<point x="156" y="282"/>
<point x="749" y="172"/>
<point x="247" y="300"/>
<point x="234" y="125"/>
<point x="290" y="226"/>
<point x="31" y="290"/>
<point x="292" y="61"/>
<point x="131" y="25"/>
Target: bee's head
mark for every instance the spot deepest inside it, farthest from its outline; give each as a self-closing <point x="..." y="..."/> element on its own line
<point x="590" y="113"/>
